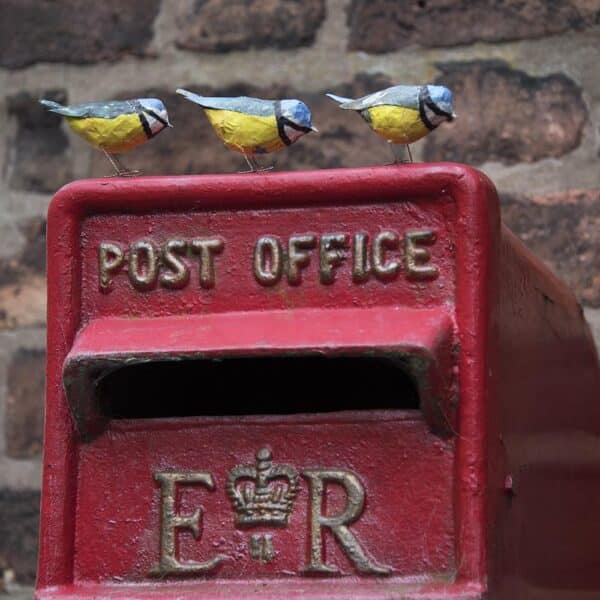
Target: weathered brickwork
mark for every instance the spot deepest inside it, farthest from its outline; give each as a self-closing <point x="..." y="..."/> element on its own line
<point x="216" y="26"/>
<point x="508" y="116"/>
<point x="385" y="25"/>
<point x="39" y="161"/>
<point x="24" y="419"/>
<point x="19" y="532"/>
<point x="527" y="92"/>
<point x="73" y="31"/>
<point x="22" y="278"/>
<point x="564" y="230"/>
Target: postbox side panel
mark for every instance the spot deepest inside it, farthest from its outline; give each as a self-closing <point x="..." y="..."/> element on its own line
<point x="544" y="450"/>
<point x="329" y="257"/>
<point x="405" y="527"/>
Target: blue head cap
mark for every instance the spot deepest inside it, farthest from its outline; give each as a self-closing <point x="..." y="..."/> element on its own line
<point x="156" y="108"/>
<point x="442" y="98"/>
<point x="297" y="112"/>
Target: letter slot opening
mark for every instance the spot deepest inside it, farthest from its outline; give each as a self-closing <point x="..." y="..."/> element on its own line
<point x="262" y="364"/>
<point x="255" y="386"/>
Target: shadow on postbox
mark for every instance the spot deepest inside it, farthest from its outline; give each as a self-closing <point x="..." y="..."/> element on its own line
<point x="276" y="385"/>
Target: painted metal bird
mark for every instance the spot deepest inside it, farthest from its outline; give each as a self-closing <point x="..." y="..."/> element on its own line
<point x="254" y="126"/>
<point x="115" y="126"/>
<point x="403" y="114"/>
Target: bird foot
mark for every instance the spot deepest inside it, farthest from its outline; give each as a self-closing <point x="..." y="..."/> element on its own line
<point x="125" y="173"/>
<point x="259" y="170"/>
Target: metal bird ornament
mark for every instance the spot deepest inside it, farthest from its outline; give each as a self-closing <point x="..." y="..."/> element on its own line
<point x="403" y="114"/>
<point x="116" y="126"/>
<point x="254" y="126"/>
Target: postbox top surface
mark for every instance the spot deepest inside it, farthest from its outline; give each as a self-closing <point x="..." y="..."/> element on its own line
<point x="275" y="189"/>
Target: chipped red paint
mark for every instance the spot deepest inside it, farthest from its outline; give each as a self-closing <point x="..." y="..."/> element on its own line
<point x="494" y="333"/>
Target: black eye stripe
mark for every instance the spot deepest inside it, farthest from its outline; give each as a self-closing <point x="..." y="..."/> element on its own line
<point x="436" y="109"/>
<point x="158" y="118"/>
<point x="295" y="126"/>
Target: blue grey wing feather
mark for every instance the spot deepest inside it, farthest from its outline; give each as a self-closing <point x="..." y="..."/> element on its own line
<point x="241" y="104"/>
<point x="99" y="110"/>
<point x="406" y="96"/>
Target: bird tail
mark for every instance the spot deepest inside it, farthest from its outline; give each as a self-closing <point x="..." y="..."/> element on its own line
<point x="339" y="99"/>
<point x="191" y="96"/>
<point x="51" y="105"/>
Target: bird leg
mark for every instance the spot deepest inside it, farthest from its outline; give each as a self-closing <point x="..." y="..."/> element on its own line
<point x="121" y="170"/>
<point x="398" y="159"/>
<point x="254" y="166"/>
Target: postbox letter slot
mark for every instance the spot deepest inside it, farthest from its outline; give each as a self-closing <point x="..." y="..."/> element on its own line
<point x="256" y="386"/>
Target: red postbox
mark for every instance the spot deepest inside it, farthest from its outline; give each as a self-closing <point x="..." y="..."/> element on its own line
<point x="331" y="384"/>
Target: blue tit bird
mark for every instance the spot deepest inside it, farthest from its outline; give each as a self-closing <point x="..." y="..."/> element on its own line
<point x="253" y="126"/>
<point x="116" y="126"/>
<point x="403" y="114"/>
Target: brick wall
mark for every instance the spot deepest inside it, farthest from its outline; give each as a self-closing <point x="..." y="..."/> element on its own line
<point x="527" y="87"/>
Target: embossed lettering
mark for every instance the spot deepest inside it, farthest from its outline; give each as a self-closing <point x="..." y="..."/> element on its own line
<point x="179" y="275"/>
<point x="110" y="261"/>
<point x="360" y="265"/>
<point x="331" y="255"/>
<point x="207" y="248"/>
<point x="338" y="524"/>
<point x="143" y="265"/>
<point x="261" y="547"/>
<point x="385" y="270"/>
<point x="298" y="257"/>
<point x="268" y="260"/>
<point x="171" y="521"/>
<point x="415" y="256"/>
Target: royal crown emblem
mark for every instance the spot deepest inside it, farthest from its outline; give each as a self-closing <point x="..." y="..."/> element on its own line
<point x="268" y="498"/>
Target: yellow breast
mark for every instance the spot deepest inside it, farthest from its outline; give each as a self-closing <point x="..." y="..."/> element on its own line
<point x="248" y="134"/>
<point x="396" y="124"/>
<point x="113" y="135"/>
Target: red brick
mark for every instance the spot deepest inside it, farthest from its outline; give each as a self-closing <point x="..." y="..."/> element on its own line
<point x="506" y="115"/>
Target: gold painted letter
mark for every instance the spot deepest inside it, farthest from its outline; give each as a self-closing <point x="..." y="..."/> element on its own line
<point x="170" y="521"/>
<point x="385" y="270"/>
<point x="179" y="274"/>
<point x="337" y="523"/>
<point x="298" y="257"/>
<point x="416" y="256"/>
<point x="331" y="255"/>
<point x="143" y="277"/>
<point x="110" y="260"/>
<point x="361" y="267"/>
<point x="207" y="248"/>
<point x="268" y="260"/>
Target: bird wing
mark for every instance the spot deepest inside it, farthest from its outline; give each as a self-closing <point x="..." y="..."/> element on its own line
<point x="99" y="110"/>
<point x="406" y="96"/>
<point x="241" y="104"/>
<point x="339" y="99"/>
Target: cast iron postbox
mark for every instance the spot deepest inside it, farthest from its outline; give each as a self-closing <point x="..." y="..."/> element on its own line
<point x="331" y="384"/>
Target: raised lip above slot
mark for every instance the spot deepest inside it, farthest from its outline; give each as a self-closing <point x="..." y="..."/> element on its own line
<point x="420" y="338"/>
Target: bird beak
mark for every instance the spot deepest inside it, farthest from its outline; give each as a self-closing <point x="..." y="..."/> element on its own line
<point x="313" y="128"/>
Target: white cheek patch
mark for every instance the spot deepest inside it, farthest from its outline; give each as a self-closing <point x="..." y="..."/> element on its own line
<point x="155" y="124"/>
<point x="433" y="118"/>
<point x="291" y="133"/>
